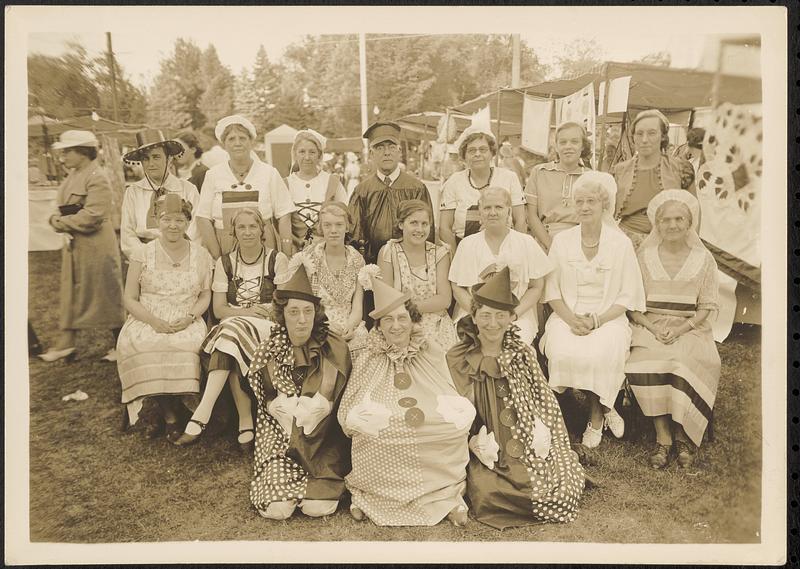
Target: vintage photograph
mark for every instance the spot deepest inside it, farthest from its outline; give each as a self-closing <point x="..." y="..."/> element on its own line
<point x="334" y="279"/>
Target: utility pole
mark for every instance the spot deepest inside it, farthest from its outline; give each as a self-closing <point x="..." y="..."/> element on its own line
<point x="362" y="66"/>
<point x="515" y="61"/>
<point x="111" y="68"/>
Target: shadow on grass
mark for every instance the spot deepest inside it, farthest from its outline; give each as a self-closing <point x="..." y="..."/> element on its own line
<point x="90" y="483"/>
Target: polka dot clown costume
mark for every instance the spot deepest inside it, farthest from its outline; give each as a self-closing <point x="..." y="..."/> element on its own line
<point x="532" y="474"/>
<point x="301" y="455"/>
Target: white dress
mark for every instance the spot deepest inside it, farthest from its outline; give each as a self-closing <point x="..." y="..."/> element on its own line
<point x="595" y="362"/>
<point x="519" y="252"/>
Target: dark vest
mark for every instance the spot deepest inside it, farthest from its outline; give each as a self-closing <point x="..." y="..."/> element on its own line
<point x="267" y="285"/>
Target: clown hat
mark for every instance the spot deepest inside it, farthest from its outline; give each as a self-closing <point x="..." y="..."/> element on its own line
<point x="298" y="286"/>
<point x="496" y="292"/>
<point x="386" y="298"/>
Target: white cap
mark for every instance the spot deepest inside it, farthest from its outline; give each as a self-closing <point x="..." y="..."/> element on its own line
<point x="71" y="138"/>
<point x="225" y="122"/>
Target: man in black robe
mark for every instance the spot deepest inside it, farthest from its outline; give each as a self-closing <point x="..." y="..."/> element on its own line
<point x="374" y="203"/>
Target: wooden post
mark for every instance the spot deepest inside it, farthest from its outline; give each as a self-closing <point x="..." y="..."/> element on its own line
<point x="113" y="72"/>
<point x="499" y="114"/>
<point x="602" y="126"/>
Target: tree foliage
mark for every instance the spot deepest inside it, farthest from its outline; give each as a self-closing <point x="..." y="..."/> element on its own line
<point x="174" y="100"/>
<point x="579" y="57"/>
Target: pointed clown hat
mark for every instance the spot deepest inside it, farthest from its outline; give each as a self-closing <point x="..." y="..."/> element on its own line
<point x="386" y="298"/>
<point x="298" y="286"/>
<point x="496" y="292"/>
<point x="173" y="203"/>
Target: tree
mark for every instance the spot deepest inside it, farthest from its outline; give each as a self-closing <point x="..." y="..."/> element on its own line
<point x="62" y="86"/>
<point x="175" y="96"/>
<point x="217" y="83"/>
<point x="131" y="101"/>
<point x="578" y="58"/>
<point x="662" y="58"/>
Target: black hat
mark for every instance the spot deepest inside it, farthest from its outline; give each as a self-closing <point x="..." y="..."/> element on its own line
<point x="151" y="138"/>
<point x="382" y="131"/>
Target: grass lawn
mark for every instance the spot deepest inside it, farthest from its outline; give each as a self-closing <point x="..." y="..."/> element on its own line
<point x="91" y="483"/>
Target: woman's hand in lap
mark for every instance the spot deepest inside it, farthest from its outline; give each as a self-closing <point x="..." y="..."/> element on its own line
<point x="161" y="326"/>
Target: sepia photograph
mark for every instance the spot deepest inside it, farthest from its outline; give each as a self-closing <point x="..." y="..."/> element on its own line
<point x="386" y="284"/>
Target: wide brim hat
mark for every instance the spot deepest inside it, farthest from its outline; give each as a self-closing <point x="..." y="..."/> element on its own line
<point x="73" y="138"/>
<point x="386" y="298"/>
<point x="151" y="138"/>
<point x="381" y="132"/>
<point x="297" y="287"/>
<point x="225" y="122"/>
<point x="496" y="292"/>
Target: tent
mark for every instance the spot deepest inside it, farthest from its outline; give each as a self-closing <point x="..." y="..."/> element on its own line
<point x="668" y="89"/>
<point x="278" y="148"/>
<point x="125" y="133"/>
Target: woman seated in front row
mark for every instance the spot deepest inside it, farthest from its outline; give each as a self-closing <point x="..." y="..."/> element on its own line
<point x="243" y="286"/>
<point x="415" y="265"/>
<point x="674" y="365"/>
<point x="597" y="278"/>
<point x="408" y="424"/>
<point x="166" y="293"/>
<point x="523" y="470"/>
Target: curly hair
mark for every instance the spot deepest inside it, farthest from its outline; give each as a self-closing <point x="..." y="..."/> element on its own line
<point x="586" y="144"/>
<point x="413" y="312"/>
<point x="477" y="305"/>
<point x="462" y="150"/>
<point x="319" y="330"/>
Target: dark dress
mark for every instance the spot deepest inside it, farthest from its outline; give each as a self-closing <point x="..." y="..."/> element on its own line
<point x="537" y="477"/>
<point x="293" y="466"/>
<point x="373" y="207"/>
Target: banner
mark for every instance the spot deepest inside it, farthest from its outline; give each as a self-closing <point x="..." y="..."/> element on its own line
<point x="536" y="125"/>
<point x="618" y="95"/>
<point x="579" y="107"/>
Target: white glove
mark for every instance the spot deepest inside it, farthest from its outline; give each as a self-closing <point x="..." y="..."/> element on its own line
<point x="542" y="438"/>
<point x="310" y="411"/>
<point x="368" y="418"/>
<point x="456" y="410"/>
<point x="485" y="448"/>
<point x="283" y="408"/>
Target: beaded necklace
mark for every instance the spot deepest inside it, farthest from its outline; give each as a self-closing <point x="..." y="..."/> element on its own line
<point x="483" y="187"/>
<point x="632" y="187"/>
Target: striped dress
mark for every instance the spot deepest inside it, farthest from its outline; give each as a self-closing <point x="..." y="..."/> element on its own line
<point x="679" y="379"/>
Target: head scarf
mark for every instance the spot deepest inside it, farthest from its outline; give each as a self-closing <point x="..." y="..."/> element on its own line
<point x="595" y="178"/>
<point x="313" y="136"/>
<point x="225" y="122"/>
<point x="682" y="196"/>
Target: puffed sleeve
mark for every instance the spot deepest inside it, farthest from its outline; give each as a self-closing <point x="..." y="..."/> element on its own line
<point x="129" y="241"/>
<point x="191" y="195"/>
<point x="358" y="260"/>
<point x="531" y="189"/>
<point x="449" y="199"/>
<point x="205" y="267"/>
<point x="442" y="251"/>
<point x="220" y="280"/>
<point x="206" y="198"/>
<point x="539" y="264"/>
<point x="95" y="209"/>
<point x="708" y="295"/>
<point x="552" y="282"/>
<point x="281" y="263"/>
<point x="515" y="189"/>
<point x="138" y="255"/>
<point x="463" y="270"/>
<point x="280" y="198"/>
<point x="631" y="290"/>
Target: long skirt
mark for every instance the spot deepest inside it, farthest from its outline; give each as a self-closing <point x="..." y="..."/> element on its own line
<point x="595" y="362"/>
<point x="679" y="380"/>
<point x="238" y="336"/>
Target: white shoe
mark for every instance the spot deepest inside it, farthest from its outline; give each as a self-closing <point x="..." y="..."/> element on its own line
<point x="54" y="355"/>
<point x="319" y="508"/>
<point x="615" y="423"/>
<point x="591" y="437"/>
<point x="279" y="510"/>
<point x="111" y="356"/>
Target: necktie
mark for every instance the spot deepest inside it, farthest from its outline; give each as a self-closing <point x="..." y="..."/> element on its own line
<point x="387" y="181"/>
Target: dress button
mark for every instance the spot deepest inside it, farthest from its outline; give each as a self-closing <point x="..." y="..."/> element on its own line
<point x="308" y="185"/>
<point x="402" y="380"/>
<point x="501" y="388"/>
<point x="508" y="417"/>
<point x="415" y="417"/>
<point x="514" y="448"/>
<point x="407" y="402"/>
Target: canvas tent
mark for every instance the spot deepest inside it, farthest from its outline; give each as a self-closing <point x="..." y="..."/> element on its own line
<point x="39" y="125"/>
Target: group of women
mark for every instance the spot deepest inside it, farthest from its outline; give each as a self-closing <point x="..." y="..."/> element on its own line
<point x="437" y="408"/>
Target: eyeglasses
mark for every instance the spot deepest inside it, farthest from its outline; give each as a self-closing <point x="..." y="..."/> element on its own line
<point x="476" y="151"/>
<point x="246" y="186"/>
<point x="414" y="417"/>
